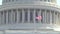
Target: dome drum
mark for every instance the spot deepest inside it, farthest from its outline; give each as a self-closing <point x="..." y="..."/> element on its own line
<point x="11" y="2"/>
<point x="27" y="15"/>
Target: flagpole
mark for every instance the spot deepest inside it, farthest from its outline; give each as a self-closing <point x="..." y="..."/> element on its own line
<point x="35" y="26"/>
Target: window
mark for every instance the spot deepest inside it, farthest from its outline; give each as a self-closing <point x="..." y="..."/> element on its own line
<point x="1" y="17"/>
<point x="21" y="16"/>
<point x="31" y="15"/>
<point x="42" y="14"/>
<point x="58" y="15"/>
<point x="20" y="11"/>
<point x="5" y="17"/>
<point x="26" y="16"/>
<point x="15" y="16"/>
<point x="1" y="12"/>
<point x="42" y="17"/>
<point x="55" y="13"/>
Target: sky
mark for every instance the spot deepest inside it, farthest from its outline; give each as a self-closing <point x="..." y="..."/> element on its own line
<point x="58" y="2"/>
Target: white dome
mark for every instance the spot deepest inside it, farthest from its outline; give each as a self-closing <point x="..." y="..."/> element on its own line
<point x="29" y="17"/>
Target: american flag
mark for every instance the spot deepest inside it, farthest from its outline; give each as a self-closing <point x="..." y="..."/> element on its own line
<point x="39" y="17"/>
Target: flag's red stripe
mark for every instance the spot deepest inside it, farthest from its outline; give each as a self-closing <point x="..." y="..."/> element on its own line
<point x="39" y="17"/>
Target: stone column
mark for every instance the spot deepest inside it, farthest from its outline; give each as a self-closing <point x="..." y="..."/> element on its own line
<point x="7" y="17"/>
<point x="23" y="15"/>
<point x="54" y="17"/>
<point x="3" y="18"/>
<point x="18" y="16"/>
<point x="28" y="15"/>
<point x="12" y="17"/>
<point x="40" y="15"/>
<point x="59" y="18"/>
<point x="0" y="17"/>
<point x="45" y="16"/>
<point x="34" y="16"/>
<point x="57" y="22"/>
<point x="50" y="17"/>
